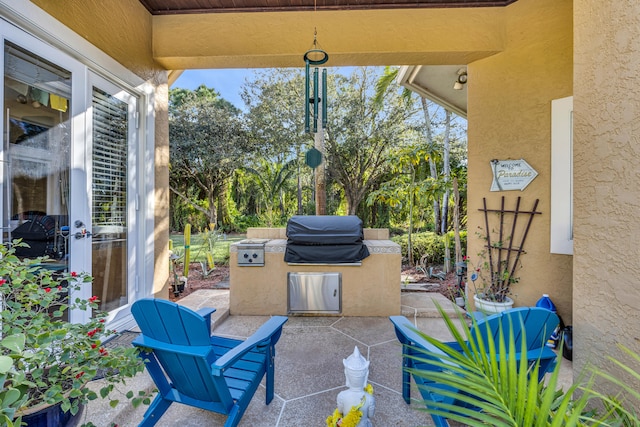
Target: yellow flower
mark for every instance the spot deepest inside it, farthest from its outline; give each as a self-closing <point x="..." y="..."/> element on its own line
<point x="369" y="389"/>
<point x="353" y="417"/>
<point x="332" y="420"/>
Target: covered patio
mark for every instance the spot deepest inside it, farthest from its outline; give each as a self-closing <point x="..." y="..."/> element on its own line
<point x="309" y="371"/>
<point x="519" y="58"/>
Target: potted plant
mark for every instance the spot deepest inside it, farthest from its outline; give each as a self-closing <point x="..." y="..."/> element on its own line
<point x="500" y="257"/>
<point x="492" y="278"/>
<point x="45" y="360"/>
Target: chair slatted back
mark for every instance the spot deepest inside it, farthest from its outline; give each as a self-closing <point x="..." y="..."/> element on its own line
<point x="537" y="323"/>
<point x="185" y="353"/>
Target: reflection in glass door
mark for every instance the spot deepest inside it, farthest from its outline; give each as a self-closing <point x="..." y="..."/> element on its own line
<point x="111" y="181"/>
<point x="36" y="156"/>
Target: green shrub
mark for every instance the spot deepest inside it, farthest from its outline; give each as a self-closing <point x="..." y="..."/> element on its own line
<point x="430" y="244"/>
<point x="242" y="222"/>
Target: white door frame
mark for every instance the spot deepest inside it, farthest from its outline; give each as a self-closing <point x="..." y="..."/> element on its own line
<point x="140" y="208"/>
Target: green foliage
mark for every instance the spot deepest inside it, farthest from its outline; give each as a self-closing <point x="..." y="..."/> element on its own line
<point x="430" y="244"/>
<point x="272" y="178"/>
<point x="506" y="392"/>
<point x="208" y="141"/>
<point x="199" y="246"/>
<point x="43" y="357"/>
<point x="242" y="222"/>
<point x="362" y="133"/>
<point x="371" y="119"/>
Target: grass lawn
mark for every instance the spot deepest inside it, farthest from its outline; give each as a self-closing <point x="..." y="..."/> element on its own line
<point x="199" y="248"/>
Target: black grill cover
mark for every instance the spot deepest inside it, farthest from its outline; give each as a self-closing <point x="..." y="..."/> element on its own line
<point x="325" y="230"/>
<point x="325" y="240"/>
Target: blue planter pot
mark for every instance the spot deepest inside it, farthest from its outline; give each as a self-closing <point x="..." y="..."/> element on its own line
<point x="49" y="416"/>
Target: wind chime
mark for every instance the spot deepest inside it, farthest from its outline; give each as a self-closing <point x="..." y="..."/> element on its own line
<point x="315" y="57"/>
<point x="313" y="158"/>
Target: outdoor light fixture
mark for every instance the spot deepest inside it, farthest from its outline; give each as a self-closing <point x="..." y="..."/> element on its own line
<point x="461" y="80"/>
<point x="315" y="57"/>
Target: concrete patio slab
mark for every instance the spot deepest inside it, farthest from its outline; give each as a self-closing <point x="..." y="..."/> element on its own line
<point x="309" y="370"/>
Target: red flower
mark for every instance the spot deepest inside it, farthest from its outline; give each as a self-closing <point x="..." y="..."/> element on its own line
<point x="2" y="282"/>
<point x="94" y="345"/>
<point x="101" y="320"/>
<point x="79" y="374"/>
<point x="93" y="299"/>
<point x="74" y="274"/>
<point x="59" y="288"/>
<point x="47" y="289"/>
<point x="92" y="333"/>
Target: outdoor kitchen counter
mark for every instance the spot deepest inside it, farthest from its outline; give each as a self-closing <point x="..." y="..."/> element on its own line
<point x="371" y="288"/>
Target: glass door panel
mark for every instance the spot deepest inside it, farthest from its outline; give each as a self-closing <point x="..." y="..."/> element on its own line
<point x="111" y="179"/>
<point x="36" y="156"/>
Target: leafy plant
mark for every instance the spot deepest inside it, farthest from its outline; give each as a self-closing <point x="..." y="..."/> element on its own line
<point x="494" y="271"/>
<point x="498" y="390"/>
<point x="427" y="244"/>
<point x="44" y="358"/>
<point x="209" y="237"/>
<point x="504" y="242"/>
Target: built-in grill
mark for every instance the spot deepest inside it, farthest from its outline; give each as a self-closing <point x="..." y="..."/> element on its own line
<point x="251" y="252"/>
<point x="325" y="240"/>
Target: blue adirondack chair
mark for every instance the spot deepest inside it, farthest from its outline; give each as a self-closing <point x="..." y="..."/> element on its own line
<point x="190" y="366"/>
<point x="537" y="323"/>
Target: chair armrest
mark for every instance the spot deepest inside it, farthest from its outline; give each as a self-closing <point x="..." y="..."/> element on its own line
<point x="188" y="350"/>
<point x="269" y="331"/>
<point x="408" y="334"/>
<point x="206" y="313"/>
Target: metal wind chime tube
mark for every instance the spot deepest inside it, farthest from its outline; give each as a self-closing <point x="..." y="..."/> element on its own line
<point x="324" y="98"/>
<point x="315" y="100"/>
<point x="306" y="95"/>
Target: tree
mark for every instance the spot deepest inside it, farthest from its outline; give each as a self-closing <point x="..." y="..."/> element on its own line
<point x="275" y="117"/>
<point x="208" y="142"/>
<point x="431" y="124"/>
<point x="408" y="185"/>
<point x="361" y="132"/>
<point x="271" y="179"/>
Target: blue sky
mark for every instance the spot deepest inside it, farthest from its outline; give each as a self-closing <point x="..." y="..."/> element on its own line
<point x="227" y="82"/>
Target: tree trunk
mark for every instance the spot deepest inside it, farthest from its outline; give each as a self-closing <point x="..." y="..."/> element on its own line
<point x="446" y="171"/>
<point x="410" y="233"/>
<point x="223" y="216"/>
<point x="432" y="164"/>
<point x="299" y="184"/>
<point x="456" y="221"/>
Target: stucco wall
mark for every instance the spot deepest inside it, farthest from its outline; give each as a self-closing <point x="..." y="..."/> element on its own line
<point x="509" y="113"/>
<point x="606" y="179"/>
<point x="123" y="31"/>
<point x="372" y="289"/>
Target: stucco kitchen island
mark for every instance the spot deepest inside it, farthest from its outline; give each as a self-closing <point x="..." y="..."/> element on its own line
<point x="370" y="288"/>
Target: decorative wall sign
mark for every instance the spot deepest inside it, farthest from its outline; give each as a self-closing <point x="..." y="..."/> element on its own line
<point x="511" y="174"/>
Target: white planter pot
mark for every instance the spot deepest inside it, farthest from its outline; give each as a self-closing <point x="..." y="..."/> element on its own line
<point x="492" y="307"/>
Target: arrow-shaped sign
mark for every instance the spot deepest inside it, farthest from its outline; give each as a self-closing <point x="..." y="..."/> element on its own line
<point x="511" y="175"/>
